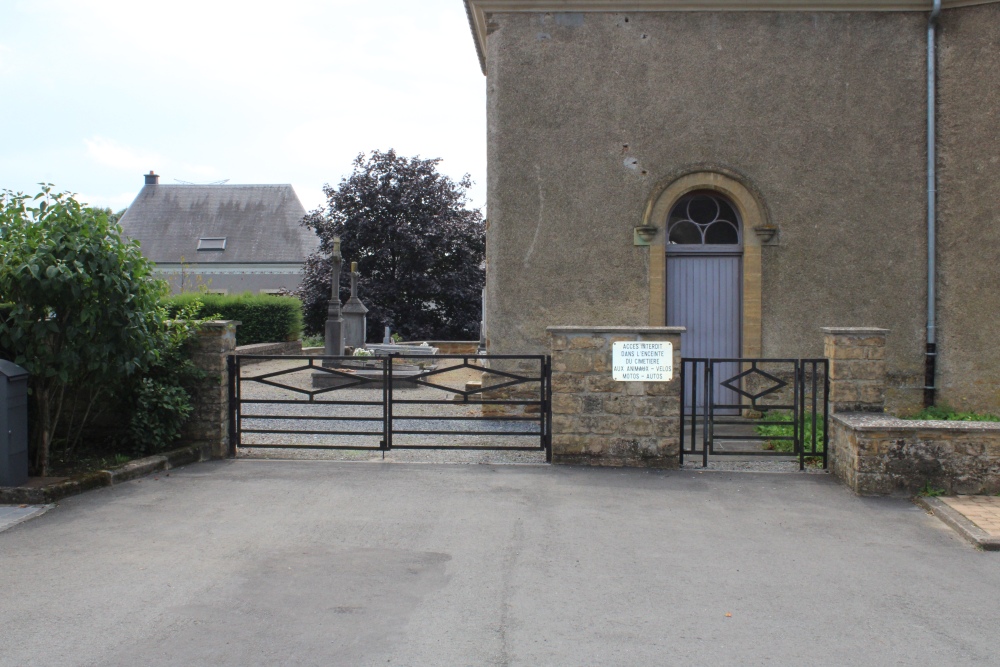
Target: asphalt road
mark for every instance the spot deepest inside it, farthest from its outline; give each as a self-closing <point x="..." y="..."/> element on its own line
<point x="332" y="563"/>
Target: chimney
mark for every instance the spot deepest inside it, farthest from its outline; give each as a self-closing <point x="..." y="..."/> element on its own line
<point x="152" y="178"/>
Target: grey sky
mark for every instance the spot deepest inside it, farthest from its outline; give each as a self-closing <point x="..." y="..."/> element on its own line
<point x="98" y="92"/>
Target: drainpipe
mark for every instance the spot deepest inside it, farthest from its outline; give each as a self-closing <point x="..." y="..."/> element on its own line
<point x="930" y="357"/>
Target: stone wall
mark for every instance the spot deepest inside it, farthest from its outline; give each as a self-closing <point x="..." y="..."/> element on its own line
<point x="879" y="455"/>
<point x="291" y="347"/>
<point x="208" y="426"/>
<point x="597" y="420"/>
<point x="455" y="346"/>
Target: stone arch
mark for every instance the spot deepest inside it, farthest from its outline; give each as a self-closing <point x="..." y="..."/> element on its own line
<point x="754" y="216"/>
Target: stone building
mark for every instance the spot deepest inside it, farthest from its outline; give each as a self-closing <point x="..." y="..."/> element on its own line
<point x="750" y="169"/>
<point x="223" y="238"/>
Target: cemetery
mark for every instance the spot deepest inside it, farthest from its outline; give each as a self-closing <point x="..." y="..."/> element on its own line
<point x="719" y="361"/>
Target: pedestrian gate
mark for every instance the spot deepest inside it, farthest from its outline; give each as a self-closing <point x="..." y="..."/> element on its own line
<point x="393" y="402"/>
<point x="768" y="407"/>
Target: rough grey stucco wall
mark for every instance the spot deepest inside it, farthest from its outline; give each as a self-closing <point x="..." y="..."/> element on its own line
<point x="822" y="113"/>
<point x="232" y="283"/>
<point x="969" y="214"/>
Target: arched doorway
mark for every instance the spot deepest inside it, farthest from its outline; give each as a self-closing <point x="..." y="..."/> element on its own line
<point x="752" y="214"/>
<point x="705" y="274"/>
<point x="704" y="279"/>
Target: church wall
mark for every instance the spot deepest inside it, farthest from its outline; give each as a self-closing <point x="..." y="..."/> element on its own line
<point x="821" y="114"/>
<point x="969" y="208"/>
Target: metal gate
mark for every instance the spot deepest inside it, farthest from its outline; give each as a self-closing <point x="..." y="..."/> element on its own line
<point x="393" y="402"/>
<point x="781" y="408"/>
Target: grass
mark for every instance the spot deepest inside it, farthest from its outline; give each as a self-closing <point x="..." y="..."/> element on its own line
<point x="786" y="429"/>
<point x="945" y="413"/>
<point x="312" y="341"/>
<point x="929" y="491"/>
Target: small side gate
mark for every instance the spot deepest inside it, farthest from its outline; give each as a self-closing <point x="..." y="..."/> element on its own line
<point x="781" y="408"/>
<point x="470" y="402"/>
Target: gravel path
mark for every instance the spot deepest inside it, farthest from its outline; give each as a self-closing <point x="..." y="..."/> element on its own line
<point x="751" y="464"/>
<point x="364" y="420"/>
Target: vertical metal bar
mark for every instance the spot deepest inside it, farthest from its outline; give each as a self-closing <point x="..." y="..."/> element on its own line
<point x="233" y="368"/>
<point x="541" y="403"/>
<point x="798" y="410"/>
<point x="384" y="445"/>
<point x="694" y="407"/>
<point x="708" y="428"/>
<point x="388" y="401"/>
<point x="465" y="397"/>
<point x="815" y="388"/>
<point x="683" y="364"/>
<point x="548" y="409"/>
<point x="826" y="411"/>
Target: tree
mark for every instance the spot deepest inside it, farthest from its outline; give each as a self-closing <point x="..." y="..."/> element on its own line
<point x="113" y="216"/>
<point x="85" y="310"/>
<point x="418" y="246"/>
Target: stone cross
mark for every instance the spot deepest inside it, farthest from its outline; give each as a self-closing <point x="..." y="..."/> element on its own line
<point x="354" y="280"/>
<point x="334" y="344"/>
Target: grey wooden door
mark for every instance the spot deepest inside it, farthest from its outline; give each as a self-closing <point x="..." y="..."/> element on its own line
<point x="704" y="294"/>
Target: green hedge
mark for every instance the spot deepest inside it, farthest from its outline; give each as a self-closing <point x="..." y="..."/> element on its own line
<point x="265" y="318"/>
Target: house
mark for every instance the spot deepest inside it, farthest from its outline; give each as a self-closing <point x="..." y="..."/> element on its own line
<point x="223" y="238"/>
<point x="753" y="170"/>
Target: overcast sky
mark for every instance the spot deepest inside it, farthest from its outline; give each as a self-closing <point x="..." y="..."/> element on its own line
<point x="98" y="92"/>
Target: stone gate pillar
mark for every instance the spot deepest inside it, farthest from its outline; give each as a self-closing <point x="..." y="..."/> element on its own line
<point x="857" y="368"/>
<point x="598" y="420"/>
<point x="208" y="425"/>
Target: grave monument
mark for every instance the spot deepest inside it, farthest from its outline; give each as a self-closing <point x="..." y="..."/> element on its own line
<point x="354" y="314"/>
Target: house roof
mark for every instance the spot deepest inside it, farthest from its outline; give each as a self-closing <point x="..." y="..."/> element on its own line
<point x="479" y="10"/>
<point x="260" y="223"/>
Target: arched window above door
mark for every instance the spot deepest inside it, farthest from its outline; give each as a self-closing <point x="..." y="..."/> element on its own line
<point x="703" y="218"/>
<point x="751" y="214"/>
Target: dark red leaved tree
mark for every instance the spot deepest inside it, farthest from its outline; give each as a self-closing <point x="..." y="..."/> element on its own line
<point x="418" y="246"/>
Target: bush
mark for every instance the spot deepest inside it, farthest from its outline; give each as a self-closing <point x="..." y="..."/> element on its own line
<point x="5" y="312"/>
<point x="159" y="402"/>
<point x="85" y="310"/>
<point x="264" y="318"/>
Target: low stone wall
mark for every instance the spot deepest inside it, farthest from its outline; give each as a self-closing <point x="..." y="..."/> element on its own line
<point x="449" y="346"/>
<point x="292" y="347"/>
<point x="600" y="421"/>
<point x="879" y="455"/>
<point x="455" y="346"/>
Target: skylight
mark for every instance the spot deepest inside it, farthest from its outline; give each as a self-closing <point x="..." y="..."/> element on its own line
<point x="212" y="243"/>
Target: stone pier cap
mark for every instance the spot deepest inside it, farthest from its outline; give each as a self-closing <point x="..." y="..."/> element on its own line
<point x="855" y="331"/>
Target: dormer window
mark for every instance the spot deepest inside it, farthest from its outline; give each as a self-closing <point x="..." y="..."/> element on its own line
<point x="217" y="243"/>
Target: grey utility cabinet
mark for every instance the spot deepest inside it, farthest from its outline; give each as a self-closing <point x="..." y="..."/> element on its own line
<point x="13" y="424"/>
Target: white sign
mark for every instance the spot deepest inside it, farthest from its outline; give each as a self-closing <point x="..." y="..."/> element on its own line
<point x="642" y="361"/>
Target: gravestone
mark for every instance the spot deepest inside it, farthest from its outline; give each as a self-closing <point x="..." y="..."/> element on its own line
<point x="355" y="314"/>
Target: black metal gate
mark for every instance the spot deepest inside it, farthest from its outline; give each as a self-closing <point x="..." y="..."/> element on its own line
<point x="369" y="403"/>
<point x="781" y="409"/>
